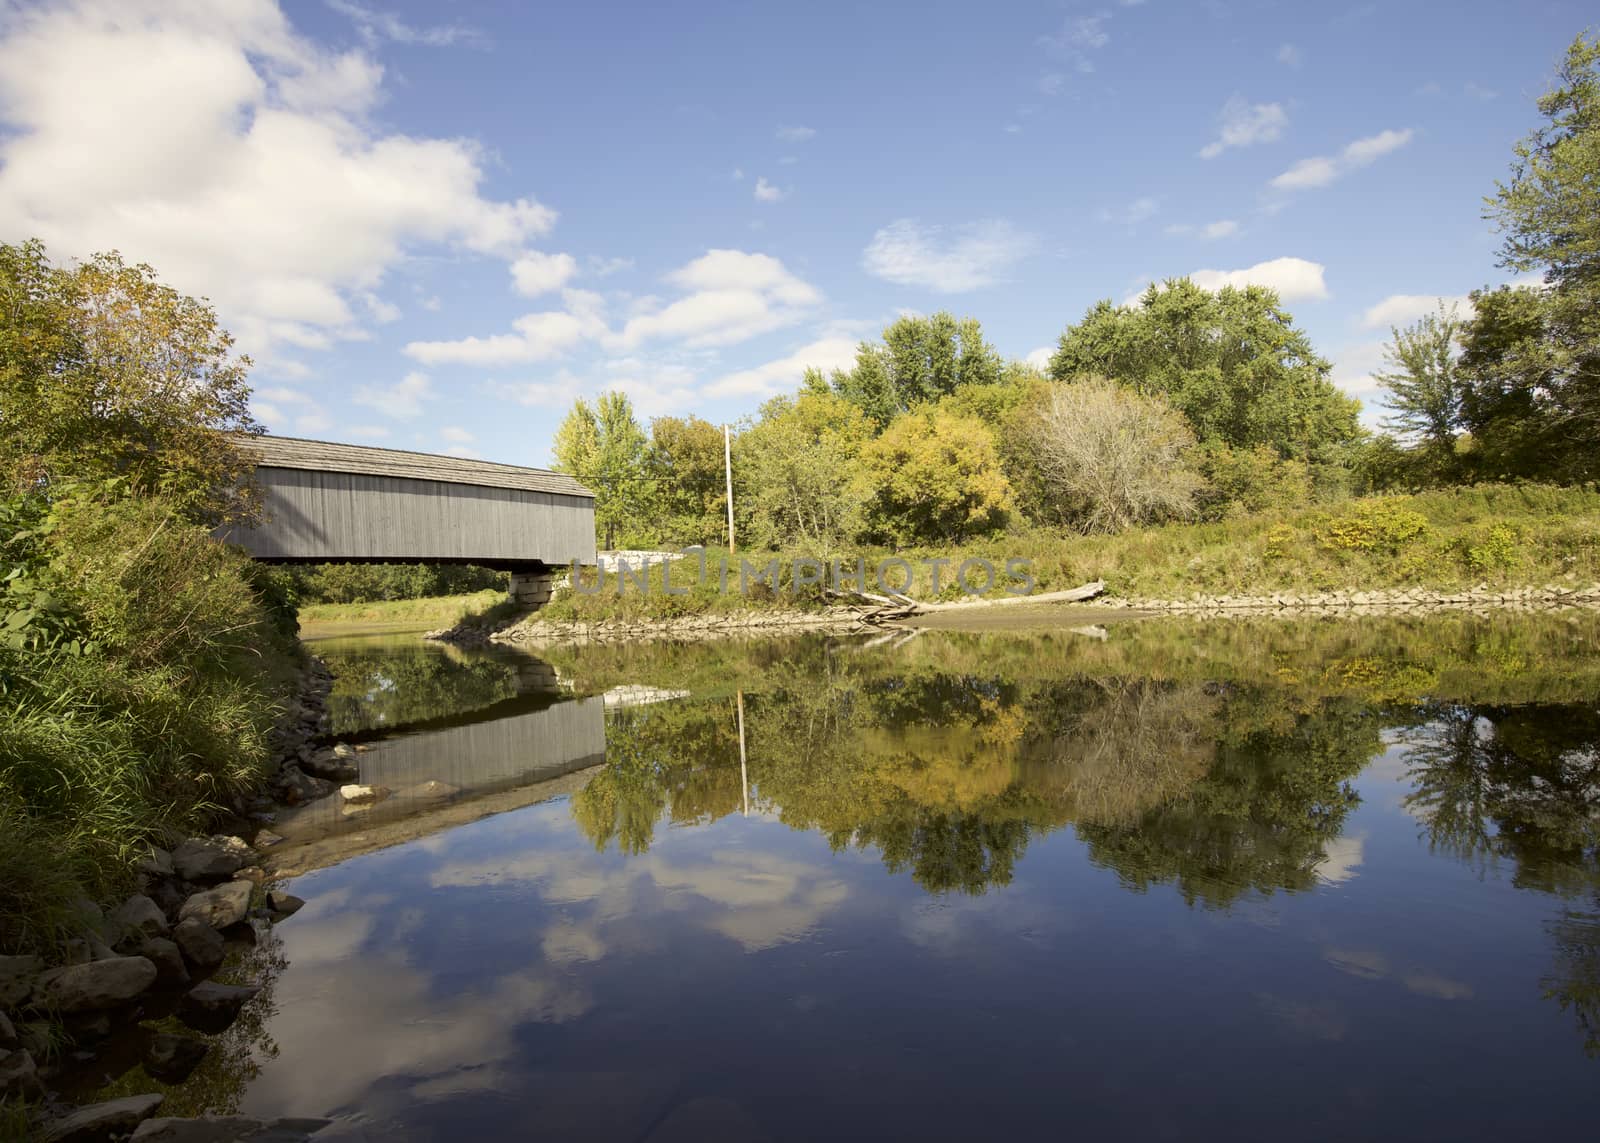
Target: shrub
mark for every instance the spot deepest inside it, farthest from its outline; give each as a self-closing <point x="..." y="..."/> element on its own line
<point x="1376" y="525"/>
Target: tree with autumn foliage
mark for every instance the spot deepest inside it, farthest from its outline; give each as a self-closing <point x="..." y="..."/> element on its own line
<point x="106" y="372"/>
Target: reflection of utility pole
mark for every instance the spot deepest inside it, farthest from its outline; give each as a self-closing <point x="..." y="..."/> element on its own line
<point x="727" y="469"/>
<point x="744" y="773"/>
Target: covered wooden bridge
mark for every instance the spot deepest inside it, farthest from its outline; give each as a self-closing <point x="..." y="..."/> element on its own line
<point x="339" y="503"/>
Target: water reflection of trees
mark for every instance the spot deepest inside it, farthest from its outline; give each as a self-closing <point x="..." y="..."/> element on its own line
<point x="1522" y="785"/>
<point x="948" y="774"/>
<point x="391" y="684"/>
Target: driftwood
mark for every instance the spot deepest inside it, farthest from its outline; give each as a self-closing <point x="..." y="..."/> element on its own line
<point x="874" y="609"/>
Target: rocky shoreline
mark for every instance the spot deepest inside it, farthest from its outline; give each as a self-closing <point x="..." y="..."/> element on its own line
<point x="154" y="955"/>
<point x="1481" y="599"/>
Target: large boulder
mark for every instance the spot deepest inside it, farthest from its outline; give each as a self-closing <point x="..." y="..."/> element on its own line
<point x="325" y="764"/>
<point x="211" y="1007"/>
<point x="284" y="903"/>
<point x="201" y="945"/>
<point x="171" y="1058"/>
<point x="17" y="977"/>
<point x="98" y="984"/>
<point x="225" y="905"/>
<point x="298" y="787"/>
<point x="211" y="858"/>
<point x="100" y="1122"/>
<point x="8" y="1034"/>
<point x="136" y="919"/>
<point x="19" y="1078"/>
<point x="227" y="1129"/>
<point x="167" y="958"/>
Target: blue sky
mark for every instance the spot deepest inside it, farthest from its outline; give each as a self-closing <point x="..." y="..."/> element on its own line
<point x="434" y="226"/>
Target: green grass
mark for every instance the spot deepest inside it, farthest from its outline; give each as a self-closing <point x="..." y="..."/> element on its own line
<point x="320" y="620"/>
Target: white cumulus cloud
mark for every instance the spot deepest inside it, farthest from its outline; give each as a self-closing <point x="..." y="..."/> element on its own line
<point x="1244" y="124"/>
<point x="796" y="134"/>
<point x="534" y="337"/>
<point x="732" y="295"/>
<point x="1321" y="170"/>
<point x="402" y="399"/>
<point x="535" y="273"/>
<point x="1292" y="278"/>
<point x="235" y="155"/>
<point x="1403" y="309"/>
<point x="951" y="261"/>
<point x="784" y="374"/>
<point x="766" y="192"/>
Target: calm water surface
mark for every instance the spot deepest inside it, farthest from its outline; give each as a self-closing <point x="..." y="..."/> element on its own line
<point x="1192" y="882"/>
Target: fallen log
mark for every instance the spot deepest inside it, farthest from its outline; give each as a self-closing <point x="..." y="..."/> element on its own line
<point x="875" y="609"/>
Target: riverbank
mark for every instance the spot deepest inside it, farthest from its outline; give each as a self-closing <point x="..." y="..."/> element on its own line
<point x="392" y="616"/>
<point x="1486" y="546"/>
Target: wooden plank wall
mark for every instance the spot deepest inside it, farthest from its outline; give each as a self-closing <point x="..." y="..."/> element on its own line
<point x="346" y="516"/>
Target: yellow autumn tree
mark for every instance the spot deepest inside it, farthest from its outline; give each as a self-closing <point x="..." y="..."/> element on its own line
<point x="934" y="477"/>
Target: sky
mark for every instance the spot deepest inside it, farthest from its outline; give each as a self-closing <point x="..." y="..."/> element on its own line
<point x="433" y="226"/>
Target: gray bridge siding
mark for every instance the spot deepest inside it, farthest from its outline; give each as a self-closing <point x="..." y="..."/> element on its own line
<point x="344" y="516"/>
<point x="324" y="502"/>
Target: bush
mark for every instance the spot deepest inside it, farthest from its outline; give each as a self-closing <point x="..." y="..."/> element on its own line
<point x="1384" y="524"/>
<point x="153" y="718"/>
<point x="1112" y="459"/>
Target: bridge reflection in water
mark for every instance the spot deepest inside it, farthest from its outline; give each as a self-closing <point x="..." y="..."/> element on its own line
<point x="435" y="773"/>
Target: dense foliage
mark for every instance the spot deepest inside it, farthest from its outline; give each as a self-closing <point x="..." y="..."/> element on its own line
<point x="141" y="661"/>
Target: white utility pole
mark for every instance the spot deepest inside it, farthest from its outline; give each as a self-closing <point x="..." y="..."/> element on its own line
<point x="727" y="468"/>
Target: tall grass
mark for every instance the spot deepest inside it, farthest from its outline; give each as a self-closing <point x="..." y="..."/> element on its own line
<point x="150" y="725"/>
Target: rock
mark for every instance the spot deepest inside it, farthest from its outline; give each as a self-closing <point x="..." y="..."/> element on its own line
<point x="286" y="903"/>
<point x="433" y="788"/>
<point x="166" y="894"/>
<point x="157" y="863"/>
<point x="298" y="787"/>
<point x="98" y="949"/>
<point x="99" y="984"/>
<point x="213" y="1007"/>
<point x="138" y="918"/>
<point x="211" y="858"/>
<point x="167" y="958"/>
<point x="100" y="1122"/>
<point x="255" y="875"/>
<point x="87" y="1028"/>
<point x="17" y="977"/>
<point x="344" y="750"/>
<point x="8" y="1033"/>
<point x="266" y="839"/>
<point x="37" y="1038"/>
<point x="201" y="945"/>
<point x="18" y="1075"/>
<point x="227" y="1129"/>
<point x="225" y="905"/>
<point x="334" y="768"/>
<point x="363" y="795"/>
<point x="171" y="1058"/>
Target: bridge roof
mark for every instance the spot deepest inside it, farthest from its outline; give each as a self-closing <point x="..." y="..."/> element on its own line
<point x="326" y="456"/>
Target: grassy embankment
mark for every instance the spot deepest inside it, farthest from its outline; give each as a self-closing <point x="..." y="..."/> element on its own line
<point x="142" y="666"/>
<point x="1495" y="534"/>
<point x="322" y="620"/>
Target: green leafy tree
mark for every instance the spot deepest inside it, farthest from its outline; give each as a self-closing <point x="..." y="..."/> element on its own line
<point x="935" y="477"/>
<point x="794" y="471"/>
<point x="105" y="372"/>
<point x="1232" y="362"/>
<point x="604" y="447"/>
<point x="1532" y="358"/>
<point x="685" y="466"/>
<point x="920" y="359"/>
<point x="1425" y="389"/>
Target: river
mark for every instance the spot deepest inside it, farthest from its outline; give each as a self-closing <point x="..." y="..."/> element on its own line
<point x="1163" y="880"/>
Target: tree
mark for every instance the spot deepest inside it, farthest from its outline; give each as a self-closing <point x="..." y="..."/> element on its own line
<point x="1111" y="458"/>
<point x="795" y="469"/>
<point x="1425" y="390"/>
<point x="1533" y="357"/>
<point x="935" y="477"/>
<point x="685" y="467"/>
<point x="603" y="447"/>
<point x="1232" y="362"/>
<point x="105" y="372"/>
<point x="920" y="359"/>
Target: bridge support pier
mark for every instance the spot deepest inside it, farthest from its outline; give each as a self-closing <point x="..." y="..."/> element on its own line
<point x="531" y="589"/>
